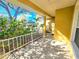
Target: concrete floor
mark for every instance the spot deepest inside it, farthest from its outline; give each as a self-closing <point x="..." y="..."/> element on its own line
<point x="43" y="48"/>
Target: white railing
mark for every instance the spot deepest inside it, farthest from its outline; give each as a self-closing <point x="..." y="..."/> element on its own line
<point x="12" y="44"/>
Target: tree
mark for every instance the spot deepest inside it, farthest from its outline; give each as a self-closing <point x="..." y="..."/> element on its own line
<point x="7" y="7"/>
<point x="17" y="9"/>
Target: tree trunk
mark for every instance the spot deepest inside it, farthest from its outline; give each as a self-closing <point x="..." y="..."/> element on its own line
<point x="8" y="11"/>
<point x="16" y="13"/>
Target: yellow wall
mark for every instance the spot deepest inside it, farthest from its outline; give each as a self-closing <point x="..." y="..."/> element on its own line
<point x="45" y="25"/>
<point x="63" y="22"/>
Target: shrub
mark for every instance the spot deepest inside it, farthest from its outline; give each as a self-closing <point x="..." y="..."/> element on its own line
<point x="12" y="28"/>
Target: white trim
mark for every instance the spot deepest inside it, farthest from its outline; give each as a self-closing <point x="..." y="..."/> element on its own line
<point x="75" y="50"/>
<point x="14" y="37"/>
<point x="74" y="24"/>
<point x="73" y="31"/>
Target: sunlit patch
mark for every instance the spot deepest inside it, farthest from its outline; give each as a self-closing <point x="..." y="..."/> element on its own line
<point x="51" y="54"/>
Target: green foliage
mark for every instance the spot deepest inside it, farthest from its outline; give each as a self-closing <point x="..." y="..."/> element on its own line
<point x="42" y="25"/>
<point x="12" y="28"/>
<point x="3" y="27"/>
<point x="36" y="19"/>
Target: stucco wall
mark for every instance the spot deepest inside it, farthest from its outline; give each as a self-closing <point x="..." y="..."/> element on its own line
<point x="63" y="22"/>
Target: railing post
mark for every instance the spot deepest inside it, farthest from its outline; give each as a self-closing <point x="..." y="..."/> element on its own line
<point x="3" y="47"/>
<point x="32" y="37"/>
<point x="13" y="44"/>
<point x="20" y="41"/>
<point x="9" y="44"/>
<point x="17" y="41"/>
<point x="23" y="39"/>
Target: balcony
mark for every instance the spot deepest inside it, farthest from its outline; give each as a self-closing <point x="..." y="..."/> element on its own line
<point x="32" y="29"/>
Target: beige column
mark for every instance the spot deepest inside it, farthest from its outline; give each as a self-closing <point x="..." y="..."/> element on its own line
<point x="44" y="26"/>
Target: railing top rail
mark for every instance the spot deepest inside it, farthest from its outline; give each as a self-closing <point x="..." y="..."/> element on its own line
<point x="16" y="37"/>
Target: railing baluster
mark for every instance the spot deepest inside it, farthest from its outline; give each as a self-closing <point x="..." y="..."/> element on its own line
<point x="13" y="44"/>
<point x="3" y="47"/>
<point x="32" y="37"/>
<point x="17" y="41"/>
<point x="9" y="44"/>
<point x="20" y="41"/>
<point x="26" y="39"/>
<point x="23" y="39"/>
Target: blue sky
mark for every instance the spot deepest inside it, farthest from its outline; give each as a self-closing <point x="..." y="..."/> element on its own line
<point x="29" y="18"/>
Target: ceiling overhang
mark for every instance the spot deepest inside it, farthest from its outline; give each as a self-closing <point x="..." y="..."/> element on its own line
<point x="50" y="6"/>
<point x="26" y="4"/>
<point x="43" y="7"/>
<point x="35" y="7"/>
